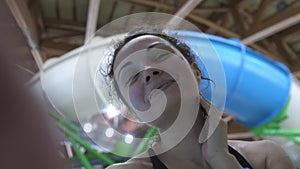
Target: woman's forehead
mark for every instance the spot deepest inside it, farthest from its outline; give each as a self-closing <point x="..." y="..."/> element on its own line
<point x="138" y="43"/>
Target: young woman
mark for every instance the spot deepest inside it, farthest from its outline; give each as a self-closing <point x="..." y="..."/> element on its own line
<point x="216" y="152"/>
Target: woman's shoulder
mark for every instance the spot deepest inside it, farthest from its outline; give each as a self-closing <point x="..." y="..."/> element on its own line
<point x="248" y="150"/>
<point x="133" y="163"/>
<point x="262" y="154"/>
<point x="255" y="147"/>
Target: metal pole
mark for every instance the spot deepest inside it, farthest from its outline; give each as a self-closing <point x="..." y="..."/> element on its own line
<point x="84" y="144"/>
<point x="143" y="145"/>
<point x="272" y="30"/>
<point x="91" y="25"/>
<point x="80" y="155"/>
<point x="184" y="11"/>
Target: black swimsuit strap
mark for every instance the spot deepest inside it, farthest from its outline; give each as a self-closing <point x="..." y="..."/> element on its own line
<point x="244" y="163"/>
<point x="157" y="164"/>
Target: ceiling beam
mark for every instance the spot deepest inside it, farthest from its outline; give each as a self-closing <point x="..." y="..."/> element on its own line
<point x="171" y="8"/>
<point x="152" y="4"/>
<point x="62" y="36"/>
<point x="51" y="52"/>
<point x="229" y="33"/>
<point x="218" y="22"/>
<point x="225" y="32"/>
<point x="289" y="31"/>
<point x="248" y="17"/>
<point x="274" y="25"/>
<point x="25" y="22"/>
<point x="237" y="17"/>
<point x="115" y="3"/>
<point x="210" y="9"/>
<point x="269" y="54"/>
<point x="297" y="74"/>
<point x="130" y="11"/>
<point x="59" y="45"/>
<point x="260" y="10"/>
<point x="57" y="11"/>
<point x="244" y="4"/>
<point x="289" y="50"/>
<point x="276" y="18"/>
<point x="271" y="46"/>
<point x="291" y="34"/>
<point x="91" y="25"/>
<point x="187" y="8"/>
<point x="49" y="21"/>
<point x="74" y="10"/>
<point x="192" y="16"/>
<point x="66" y="27"/>
<point x="157" y="9"/>
<point x="279" y="46"/>
<point x="295" y="66"/>
<point x="184" y="11"/>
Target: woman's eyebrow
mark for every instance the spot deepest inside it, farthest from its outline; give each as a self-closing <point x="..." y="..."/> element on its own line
<point x="125" y="65"/>
<point x="153" y="45"/>
<point x="168" y="48"/>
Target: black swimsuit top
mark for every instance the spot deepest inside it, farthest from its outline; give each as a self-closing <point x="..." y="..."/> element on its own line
<point x="157" y="164"/>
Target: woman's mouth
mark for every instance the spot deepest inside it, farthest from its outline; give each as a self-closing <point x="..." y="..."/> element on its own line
<point x="165" y="85"/>
<point x="161" y="86"/>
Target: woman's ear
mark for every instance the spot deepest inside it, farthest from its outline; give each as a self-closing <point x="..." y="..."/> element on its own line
<point x="196" y="71"/>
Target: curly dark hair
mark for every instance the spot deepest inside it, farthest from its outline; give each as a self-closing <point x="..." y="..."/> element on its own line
<point x="189" y="55"/>
<point x="182" y="47"/>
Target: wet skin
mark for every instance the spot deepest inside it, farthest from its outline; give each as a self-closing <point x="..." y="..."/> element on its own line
<point x="142" y="83"/>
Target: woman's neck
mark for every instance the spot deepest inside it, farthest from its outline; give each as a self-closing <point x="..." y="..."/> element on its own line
<point x="187" y="151"/>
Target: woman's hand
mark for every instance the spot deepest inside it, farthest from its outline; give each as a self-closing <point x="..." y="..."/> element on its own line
<point x="215" y="148"/>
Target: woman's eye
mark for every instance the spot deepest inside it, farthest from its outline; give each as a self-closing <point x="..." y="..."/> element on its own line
<point x="162" y="57"/>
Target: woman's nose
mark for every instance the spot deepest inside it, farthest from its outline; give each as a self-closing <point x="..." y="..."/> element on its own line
<point x="151" y="74"/>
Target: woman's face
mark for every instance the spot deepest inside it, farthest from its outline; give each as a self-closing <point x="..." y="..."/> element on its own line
<point x="142" y="80"/>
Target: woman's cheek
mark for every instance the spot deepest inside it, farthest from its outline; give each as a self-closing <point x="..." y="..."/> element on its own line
<point x="136" y="96"/>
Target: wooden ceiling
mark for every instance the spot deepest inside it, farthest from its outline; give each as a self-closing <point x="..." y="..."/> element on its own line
<point x="271" y="27"/>
<point x="54" y="27"/>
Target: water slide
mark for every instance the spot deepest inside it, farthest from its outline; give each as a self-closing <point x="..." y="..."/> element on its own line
<point x="257" y="87"/>
<point x="261" y="94"/>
